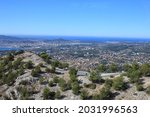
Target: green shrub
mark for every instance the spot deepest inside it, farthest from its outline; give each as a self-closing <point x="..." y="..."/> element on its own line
<point x="75" y="88"/>
<point x="10" y="78"/>
<point x="134" y="76"/>
<point x="55" y="79"/>
<point x="29" y="65"/>
<point x="48" y="70"/>
<point x="57" y="94"/>
<point x="62" y="84"/>
<point x="34" y="73"/>
<point x="108" y="83"/>
<point x="46" y="93"/>
<point x="24" y="93"/>
<point x="95" y="77"/>
<point x="42" y="80"/>
<point x="119" y="84"/>
<point x="51" y="83"/>
<point x="139" y="87"/>
<point x="91" y="86"/>
<point x="84" y="95"/>
<point x="104" y="94"/>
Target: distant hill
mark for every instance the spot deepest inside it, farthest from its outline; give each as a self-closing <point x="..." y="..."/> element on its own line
<point x="15" y="38"/>
<point x="4" y="37"/>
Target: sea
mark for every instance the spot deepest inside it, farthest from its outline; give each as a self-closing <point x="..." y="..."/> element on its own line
<point x="87" y="39"/>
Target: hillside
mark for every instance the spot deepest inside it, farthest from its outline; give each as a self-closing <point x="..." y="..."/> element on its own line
<point x="25" y="75"/>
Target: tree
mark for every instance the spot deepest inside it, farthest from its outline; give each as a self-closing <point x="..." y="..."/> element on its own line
<point x="68" y="85"/>
<point x="145" y="69"/>
<point x="44" y="55"/>
<point x="113" y="68"/>
<point x="95" y="77"/>
<point x="73" y="78"/>
<point x="62" y="84"/>
<point x="75" y="88"/>
<point x="55" y="63"/>
<point x="119" y="84"/>
<point x="126" y="67"/>
<point x="73" y="72"/>
<point x="101" y="68"/>
<point x="134" y="76"/>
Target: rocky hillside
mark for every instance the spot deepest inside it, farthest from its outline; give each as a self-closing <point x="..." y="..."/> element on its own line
<point x="27" y="76"/>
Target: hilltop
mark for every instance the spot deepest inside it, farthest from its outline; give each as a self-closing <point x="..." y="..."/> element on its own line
<point x="26" y="75"/>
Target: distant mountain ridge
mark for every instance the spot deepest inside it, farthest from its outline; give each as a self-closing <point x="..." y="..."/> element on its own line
<point x="8" y="37"/>
<point x="16" y="38"/>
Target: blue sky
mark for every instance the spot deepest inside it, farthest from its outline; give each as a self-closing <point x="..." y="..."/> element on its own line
<point x="101" y="18"/>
